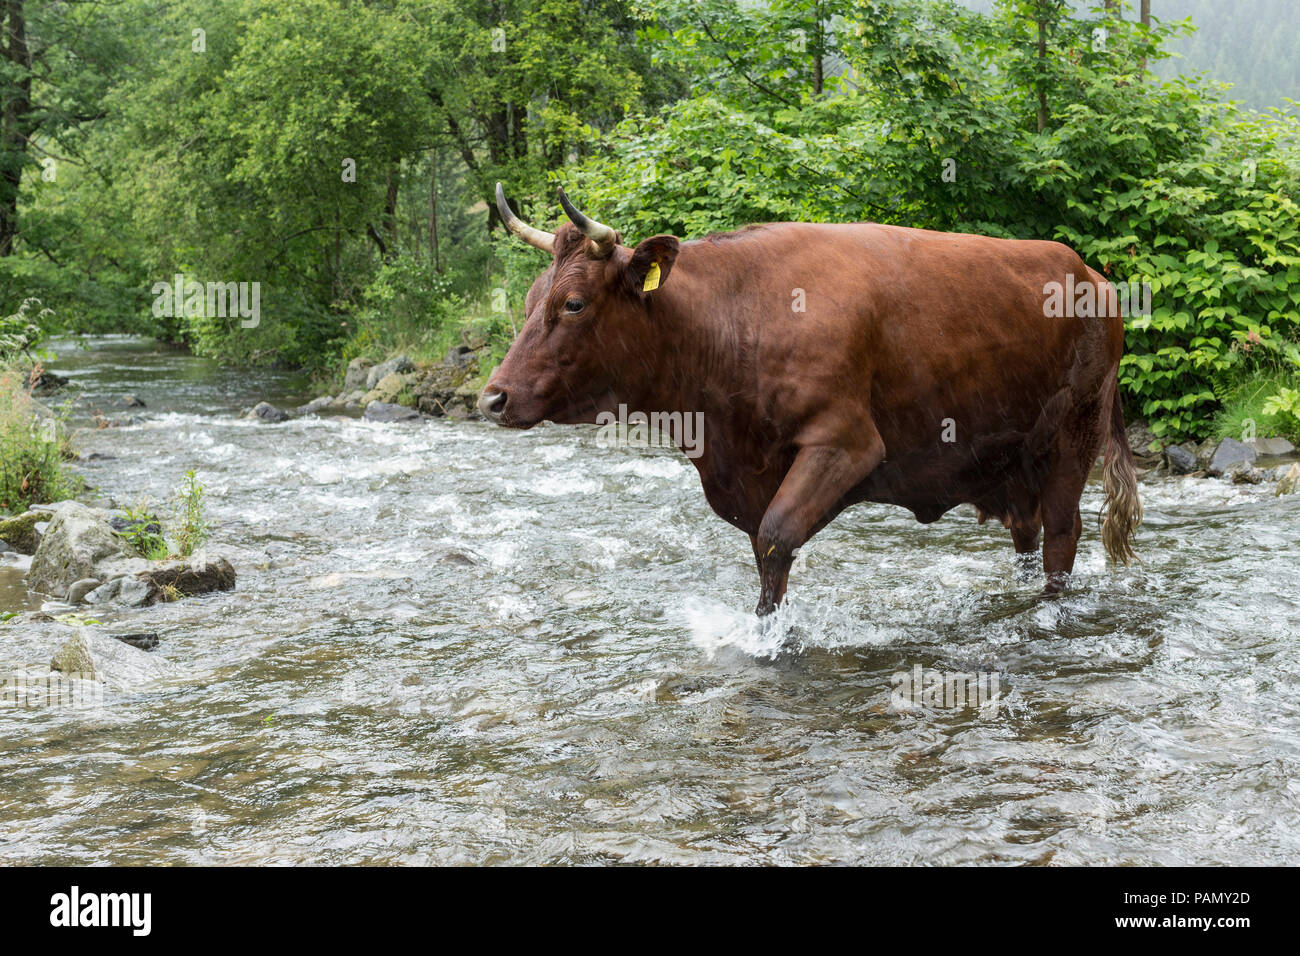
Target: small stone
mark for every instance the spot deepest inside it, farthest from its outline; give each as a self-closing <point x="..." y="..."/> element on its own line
<point x="316" y="405"/>
<point x="1289" y="483"/>
<point x="78" y="590"/>
<point x="1244" y="474"/>
<point x="130" y="401"/>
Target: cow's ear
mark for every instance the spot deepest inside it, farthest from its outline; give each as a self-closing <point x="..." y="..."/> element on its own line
<point x="651" y="262"/>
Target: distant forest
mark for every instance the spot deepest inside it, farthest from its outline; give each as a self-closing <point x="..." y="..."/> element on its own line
<point x="1252" y="44"/>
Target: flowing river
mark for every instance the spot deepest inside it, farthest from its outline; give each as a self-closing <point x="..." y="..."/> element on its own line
<point x="452" y="643"/>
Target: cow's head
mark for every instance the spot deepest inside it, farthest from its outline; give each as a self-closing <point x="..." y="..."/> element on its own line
<point x="587" y="335"/>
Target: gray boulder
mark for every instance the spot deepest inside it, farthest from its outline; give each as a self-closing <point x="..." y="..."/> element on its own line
<point x="1181" y="458"/>
<point x="1230" y="452"/>
<point x="77" y="540"/>
<point x="1272" y="447"/>
<point x="399" y="365"/>
<point x="354" y="380"/>
<point x="387" y="389"/>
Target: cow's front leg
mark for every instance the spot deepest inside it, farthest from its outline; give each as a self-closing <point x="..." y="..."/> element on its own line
<point x="818" y="479"/>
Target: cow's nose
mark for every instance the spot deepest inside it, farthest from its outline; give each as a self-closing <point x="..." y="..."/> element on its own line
<point x="492" y="404"/>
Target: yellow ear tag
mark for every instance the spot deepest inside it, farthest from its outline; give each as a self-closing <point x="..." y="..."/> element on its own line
<point x="651" y="278"/>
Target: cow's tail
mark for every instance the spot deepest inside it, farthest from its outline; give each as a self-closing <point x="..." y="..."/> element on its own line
<point x="1122" y="507"/>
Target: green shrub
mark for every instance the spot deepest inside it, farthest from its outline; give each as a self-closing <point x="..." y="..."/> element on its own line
<point x="33" y="446"/>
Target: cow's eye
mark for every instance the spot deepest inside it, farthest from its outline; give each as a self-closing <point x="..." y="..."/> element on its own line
<point x="574" y="306"/>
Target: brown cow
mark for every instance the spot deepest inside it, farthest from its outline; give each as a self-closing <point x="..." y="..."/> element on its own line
<point x="835" y="364"/>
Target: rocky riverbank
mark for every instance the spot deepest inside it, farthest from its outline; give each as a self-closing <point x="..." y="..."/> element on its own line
<point x="1255" y="461"/>
<point x="80" y="559"/>
<point x="394" y="390"/>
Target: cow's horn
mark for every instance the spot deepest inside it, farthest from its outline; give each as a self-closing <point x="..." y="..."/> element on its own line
<point x="599" y="233"/>
<point x="534" y="237"/>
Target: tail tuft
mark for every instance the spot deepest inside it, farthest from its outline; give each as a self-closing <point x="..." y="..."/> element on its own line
<point x="1122" y="507"/>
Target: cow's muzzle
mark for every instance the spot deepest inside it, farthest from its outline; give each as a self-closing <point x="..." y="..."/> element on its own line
<point x="492" y="405"/>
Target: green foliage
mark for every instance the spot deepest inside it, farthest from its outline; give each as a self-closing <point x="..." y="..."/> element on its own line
<point x="145" y="534"/>
<point x="33" y="446"/>
<point x="232" y="163"/>
<point x="192" y="529"/>
<point x="1284" y="407"/>
<point x="19" y="333"/>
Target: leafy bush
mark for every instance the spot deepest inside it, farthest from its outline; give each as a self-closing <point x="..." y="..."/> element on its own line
<point x="32" y="447"/>
<point x="19" y="333"/>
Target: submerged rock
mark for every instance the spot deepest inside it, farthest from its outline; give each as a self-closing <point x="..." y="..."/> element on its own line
<point x="1289" y="483"/>
<point x="127" y="590"/>
<point x="74" y="657"/>
<point x="386" y="412"/>
<point x="266" y="412"/>
<point x="20" y="532"/>
<point x="78" y="590"/>
<point x="317" y="405"/>
<point x="1243" y="473"/>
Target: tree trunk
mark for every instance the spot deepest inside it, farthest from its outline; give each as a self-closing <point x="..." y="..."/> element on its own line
<point x="1144" y="14"/>
<point x="818" y="52"/>
<point x="1042" y="66"/>
<point x="390" y="213"/>
<point x="16" y="124"/>
<point x="433" y="212"/>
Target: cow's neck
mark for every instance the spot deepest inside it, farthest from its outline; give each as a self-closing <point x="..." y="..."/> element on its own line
<point x="702" y="340"/>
